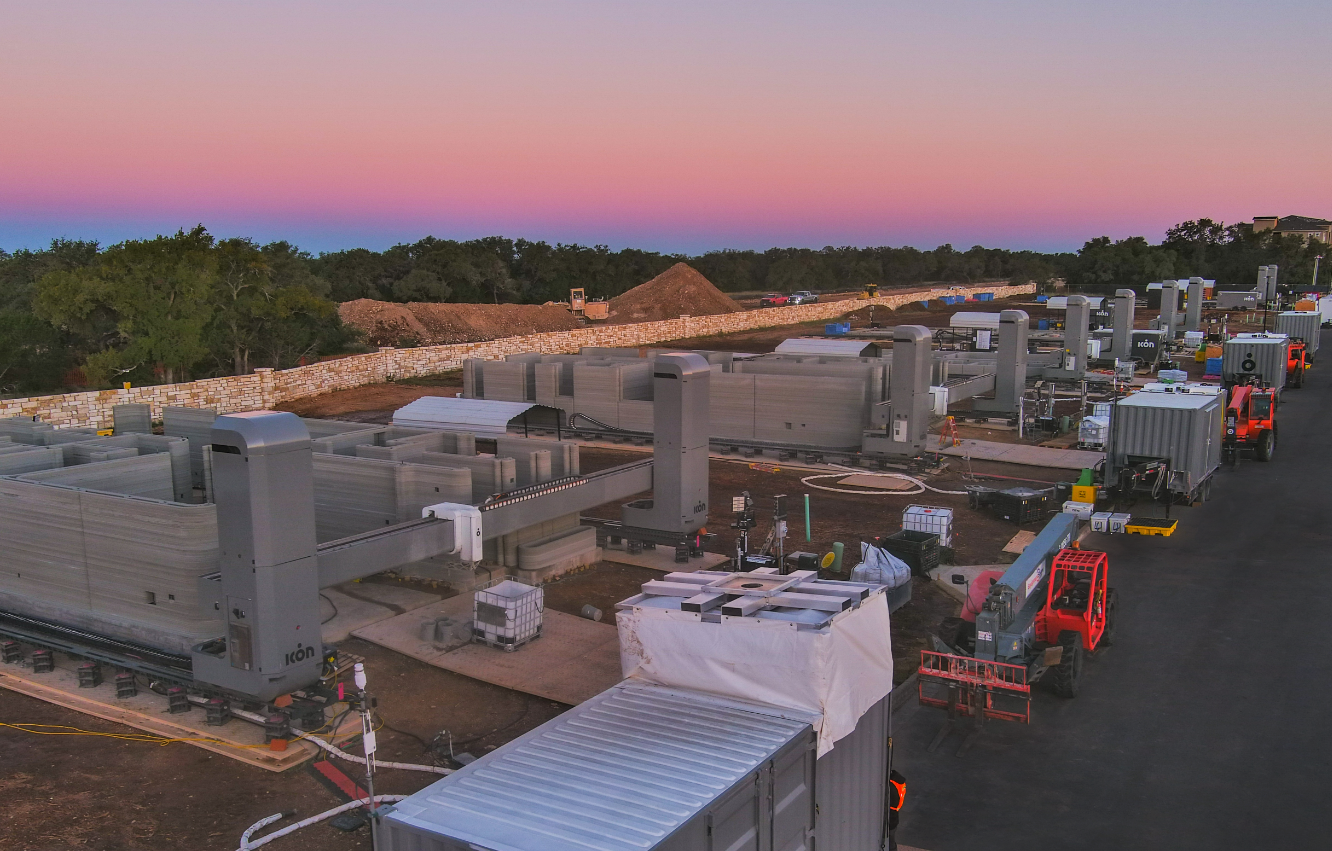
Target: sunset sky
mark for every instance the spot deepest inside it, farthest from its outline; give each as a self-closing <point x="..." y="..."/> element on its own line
<point x="680" y="126"/>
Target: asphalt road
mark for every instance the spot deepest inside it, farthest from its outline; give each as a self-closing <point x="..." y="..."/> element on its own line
<point x="1209" y="723"/>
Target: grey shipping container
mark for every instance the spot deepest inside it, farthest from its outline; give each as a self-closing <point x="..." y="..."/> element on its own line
<point x="1184" y="428"/>
<point x="645" y="768"/>
<point x="1304" y="324"/>
<point x="1264" y="355"/>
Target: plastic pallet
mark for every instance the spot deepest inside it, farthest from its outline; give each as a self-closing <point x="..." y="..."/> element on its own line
<point x="1141" y="528"/>
<point x="479" y="637"/>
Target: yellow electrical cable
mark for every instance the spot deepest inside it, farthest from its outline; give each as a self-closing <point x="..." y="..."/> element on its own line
<point x="146" y="738"/>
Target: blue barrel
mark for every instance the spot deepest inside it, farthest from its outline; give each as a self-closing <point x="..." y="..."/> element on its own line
<point x="984" y="296"/>
<point x="1043" y="324"/>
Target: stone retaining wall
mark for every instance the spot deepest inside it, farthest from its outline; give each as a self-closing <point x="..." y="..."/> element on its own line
<point x="267" y="387"/>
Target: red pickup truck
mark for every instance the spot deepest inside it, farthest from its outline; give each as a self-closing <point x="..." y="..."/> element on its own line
<point x="774" y="300"/>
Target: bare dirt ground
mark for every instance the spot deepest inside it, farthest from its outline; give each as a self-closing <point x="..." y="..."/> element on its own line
<point x="63" y="792"/>
<point x="374" y="403"/>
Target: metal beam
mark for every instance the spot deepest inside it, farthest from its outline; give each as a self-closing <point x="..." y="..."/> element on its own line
<point x="374" y="552"/>
<point x="566" y="496"/>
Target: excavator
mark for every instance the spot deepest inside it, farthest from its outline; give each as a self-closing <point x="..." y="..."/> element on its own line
<point x="1250" y="424"/>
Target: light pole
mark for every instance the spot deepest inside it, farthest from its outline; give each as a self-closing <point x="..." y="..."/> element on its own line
<point x="1315" y="277"/>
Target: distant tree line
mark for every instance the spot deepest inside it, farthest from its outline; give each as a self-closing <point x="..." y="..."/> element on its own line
<point x="191" y="305"/>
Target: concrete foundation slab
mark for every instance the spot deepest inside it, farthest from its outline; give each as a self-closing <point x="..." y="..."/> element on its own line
<point x="663" y="559"/>
<point x="1031" y="456"/>
<point x="356" y="604"/>
<point x="573" y="660"/>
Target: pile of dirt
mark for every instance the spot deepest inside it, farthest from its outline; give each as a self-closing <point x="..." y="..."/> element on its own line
<point x="679" y="291"/>
<point x="418" y="323"/>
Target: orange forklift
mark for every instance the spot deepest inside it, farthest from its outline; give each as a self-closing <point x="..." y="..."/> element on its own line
<point x="1296" y="362"/>
<point x="1250" y="424"/>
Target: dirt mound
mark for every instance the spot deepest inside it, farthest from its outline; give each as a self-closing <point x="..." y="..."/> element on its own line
<point x="384" y="323"/>
<point x="679" y="291"/>
<point x="418" y="323"/>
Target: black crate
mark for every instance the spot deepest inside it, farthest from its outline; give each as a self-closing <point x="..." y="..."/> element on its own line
<point x="1021" y="505"/>
<point x="920" y="550"/>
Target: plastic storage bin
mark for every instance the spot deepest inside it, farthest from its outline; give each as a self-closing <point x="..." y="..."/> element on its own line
<point x="1082" y="510"/>
<point x="1118" y="522"/>
<point x="1100" y="521"/>
<point x="920" y="550"/>
<point x="930" y="518"/>
<point x="507" y="615"/>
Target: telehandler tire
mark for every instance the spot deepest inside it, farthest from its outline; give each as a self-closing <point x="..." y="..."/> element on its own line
<point x="1266" y="445"/>
<point x="1066" y="677"/>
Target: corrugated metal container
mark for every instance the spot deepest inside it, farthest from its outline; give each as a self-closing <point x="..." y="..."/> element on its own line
<point x="1264" y="355"/>
<point x="1183" y="427"/>
<point x="1304" y="324"/>
<point x="644" y="768"/>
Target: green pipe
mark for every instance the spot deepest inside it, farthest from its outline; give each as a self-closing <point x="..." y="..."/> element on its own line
<point x="807" y="538"/>
<point x="837" y="557"/>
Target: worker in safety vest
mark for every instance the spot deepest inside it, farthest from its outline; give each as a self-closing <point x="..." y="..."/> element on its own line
<point x="897" y="795"/>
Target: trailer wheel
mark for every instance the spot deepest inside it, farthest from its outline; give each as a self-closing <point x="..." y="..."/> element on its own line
<point x="1299" y="375"/>
<point x="1067" y="675"/>
<point x="1266" y="445"/>
<point x="1111" y="607"/>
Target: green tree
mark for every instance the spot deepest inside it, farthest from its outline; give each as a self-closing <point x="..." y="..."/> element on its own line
<point x="158" y="292"/>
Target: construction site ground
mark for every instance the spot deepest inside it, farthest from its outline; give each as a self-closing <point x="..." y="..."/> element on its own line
<point x="110" y="794"/>
<point x="1204" y="725"/>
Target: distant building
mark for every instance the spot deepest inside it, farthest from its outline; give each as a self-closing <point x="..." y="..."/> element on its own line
<point x="1319" y="229"/>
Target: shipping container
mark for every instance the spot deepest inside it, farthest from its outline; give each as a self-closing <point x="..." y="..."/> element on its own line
<point x="648" y="768"/>
<point x="1184" y="428"/>
<point x="1302" y="324"/>
<point x="1263" y="354"/>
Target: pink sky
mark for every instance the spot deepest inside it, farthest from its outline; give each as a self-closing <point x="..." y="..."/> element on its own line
<point x="677" y="127"/>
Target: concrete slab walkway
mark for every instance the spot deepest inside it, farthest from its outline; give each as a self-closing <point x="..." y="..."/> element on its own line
<point x="663" y="559"/>
<point x="353" y="605"/>
<point x="573" y="660"/>
<point x="1032" y="456"/>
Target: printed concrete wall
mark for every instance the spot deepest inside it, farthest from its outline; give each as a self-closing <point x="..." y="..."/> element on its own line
<point x="266" y="387"/>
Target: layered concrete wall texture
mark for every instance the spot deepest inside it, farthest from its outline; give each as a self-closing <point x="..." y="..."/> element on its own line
<point x="268" y="387"/>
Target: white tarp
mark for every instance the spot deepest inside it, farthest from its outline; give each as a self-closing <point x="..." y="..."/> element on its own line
<point x="837" y="673"/>
<point x="880" y="567"/>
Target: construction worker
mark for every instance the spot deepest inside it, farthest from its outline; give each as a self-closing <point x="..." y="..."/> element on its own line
<point x="897" y="793"/>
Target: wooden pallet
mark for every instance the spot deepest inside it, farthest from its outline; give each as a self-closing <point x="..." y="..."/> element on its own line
<point x="147" y="712"/>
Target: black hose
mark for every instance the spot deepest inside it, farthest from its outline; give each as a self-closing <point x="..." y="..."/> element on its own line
<point x="335" y="609"/>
